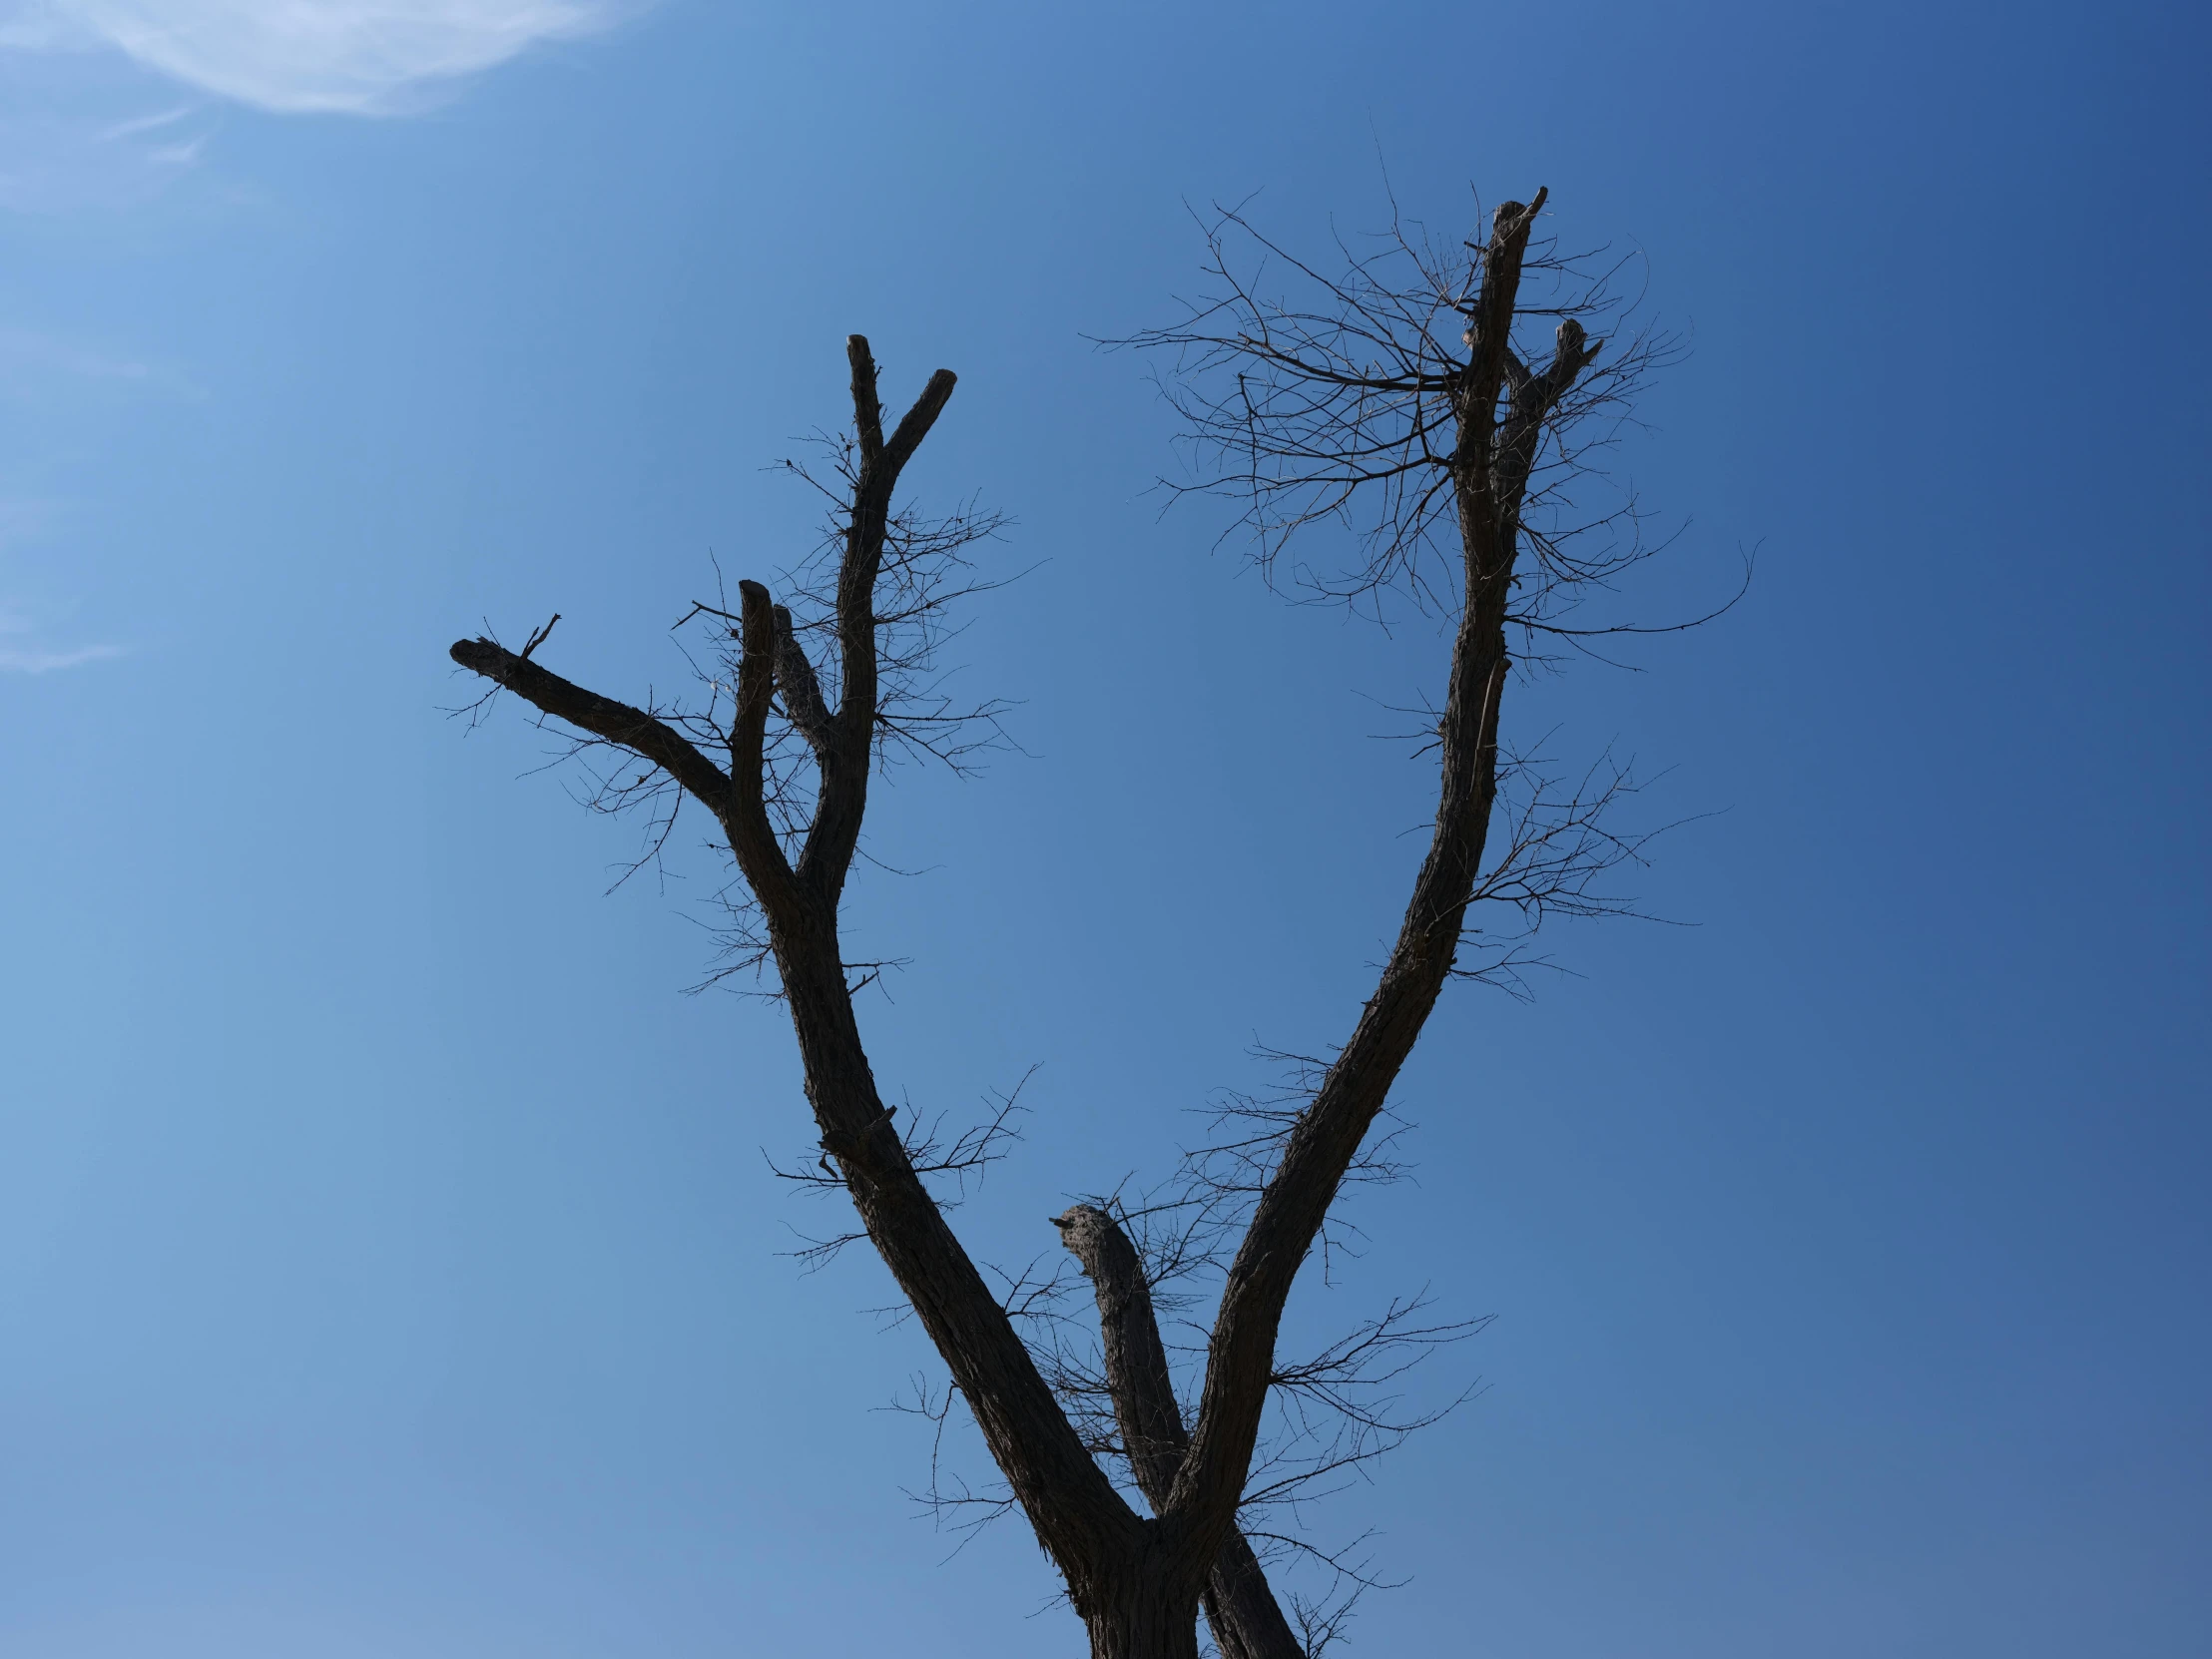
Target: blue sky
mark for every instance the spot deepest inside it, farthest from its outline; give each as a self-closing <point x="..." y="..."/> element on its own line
<point x="387" y="1261"/>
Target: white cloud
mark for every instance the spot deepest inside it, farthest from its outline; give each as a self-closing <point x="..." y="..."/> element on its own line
<point x="30" y="657"/>
<point x="66" y="145"/>
<point x="27" y="642"/>
<point x="26" y="353"/>
<point x="357" y="57"/>
<point x="34" y="659"/>
<point x="146" y="124"/>
<point x="52" y="371"/>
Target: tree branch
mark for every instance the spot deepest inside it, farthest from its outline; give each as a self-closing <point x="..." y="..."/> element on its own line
<point x="847" y="760"/>
<point x="1080" y="1519"/>
<point x="800" y="691"/>
<point x="868" y="408"/>
<point x="752" y="834"/>
<point x="915" y="426"/>
<point x="1534" y="397"/>
<point x="635" y="730"/>
<point x="1241" y="1608"/>
<point x="1145" y="1408"/>
<point x="1327" y="1134"/>
<point x="733" y="798"/>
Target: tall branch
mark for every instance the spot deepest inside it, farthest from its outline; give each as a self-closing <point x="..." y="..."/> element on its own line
<point x="848" y="759"/>
<point x="1327" y="1134"/>
<point x="1082" y="1521"/>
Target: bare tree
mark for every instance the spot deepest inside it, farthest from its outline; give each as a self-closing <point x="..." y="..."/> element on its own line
<point x="1393" y="397"/>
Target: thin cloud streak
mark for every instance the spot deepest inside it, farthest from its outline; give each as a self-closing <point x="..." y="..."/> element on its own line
<point x="25" y="351"/>
<point x="38" y="366"/>
<point x="146" y="124"/>
<point x="34" y="659"/>
<point x="30" y="657"/>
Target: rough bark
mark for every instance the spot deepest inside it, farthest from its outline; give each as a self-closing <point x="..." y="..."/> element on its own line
<point x="1240" y="1607"/>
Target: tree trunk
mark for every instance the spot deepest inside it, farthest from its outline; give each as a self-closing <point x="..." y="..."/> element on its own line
<point x="1241" y="1609"/>
<point x="1142" y="1615"/>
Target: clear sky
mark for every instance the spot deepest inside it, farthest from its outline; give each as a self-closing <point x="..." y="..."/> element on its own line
<point x="388" y="1265"/>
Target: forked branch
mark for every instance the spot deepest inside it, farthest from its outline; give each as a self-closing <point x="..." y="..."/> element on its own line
<point x="1084" y="1523"/>
<point x="846" y="762"/>
<point x="1246" y="1619"/>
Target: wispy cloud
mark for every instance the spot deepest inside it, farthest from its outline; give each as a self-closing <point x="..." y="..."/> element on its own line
<point x="355" y="56"/>
<point x="38" y="660"/>
<point x="25" y="351"/>
<point x="146" y="124"/>
<point x="86" y="129"/>
<point x="46" y="369"/>
<point x="178" y="154"/>
<point x="20" y="655"/>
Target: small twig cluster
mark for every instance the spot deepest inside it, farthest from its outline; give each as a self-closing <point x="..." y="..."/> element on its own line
<point x="926" y="572"/>
<point x="1316" y="399"/>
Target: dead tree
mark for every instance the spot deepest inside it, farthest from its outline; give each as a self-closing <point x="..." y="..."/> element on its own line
<point x="1417" y="398"/>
